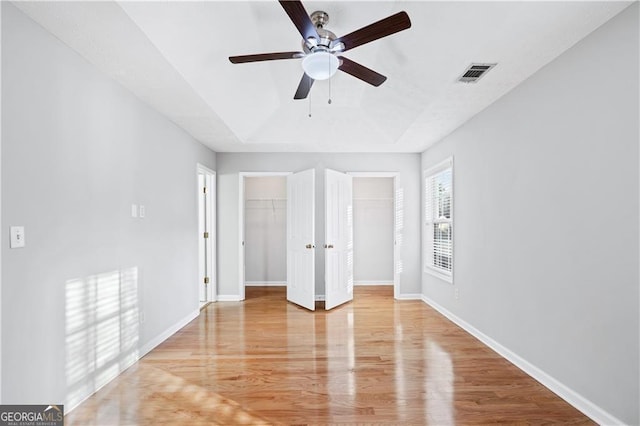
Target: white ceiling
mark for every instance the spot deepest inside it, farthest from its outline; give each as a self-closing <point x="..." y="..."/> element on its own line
<point x="174" y="56"/>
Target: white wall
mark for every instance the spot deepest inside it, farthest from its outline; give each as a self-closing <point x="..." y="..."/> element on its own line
<point x="373" y="222"/>
<point x="93" y="288"/>
<point x="546" y="222"/>
<point x="265" y="218"/>
<point x="229" y="165"/>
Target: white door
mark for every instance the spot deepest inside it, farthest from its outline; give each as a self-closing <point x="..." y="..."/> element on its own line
<point x="206" y="237"/>
<point x="202" y="241"/>
<point x="301" y="239"/>
<point x="338" y="238"/>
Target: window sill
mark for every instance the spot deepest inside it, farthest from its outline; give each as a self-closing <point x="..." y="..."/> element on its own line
<point x="436" y="273"/>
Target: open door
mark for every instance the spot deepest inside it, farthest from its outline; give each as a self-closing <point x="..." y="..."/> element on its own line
<point x="338" y="238"/>
<point x="206" y="235"/>
<point x="301" y="239"/>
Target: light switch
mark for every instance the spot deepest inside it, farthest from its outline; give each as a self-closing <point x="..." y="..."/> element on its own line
<point x="141" y="211"/>
<point x="134" y="210"/>
<point x="17" y="237"/>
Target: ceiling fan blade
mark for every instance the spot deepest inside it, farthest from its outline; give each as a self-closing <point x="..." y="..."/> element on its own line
<point x="361" y="72"/>
<point x="300" y="18"/>
<point x="265" y="57"/>
<point x="385" y="27"/>
<point x="304" y="87"/>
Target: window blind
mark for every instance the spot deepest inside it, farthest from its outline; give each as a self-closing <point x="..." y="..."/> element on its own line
<point x="438" y="219"/>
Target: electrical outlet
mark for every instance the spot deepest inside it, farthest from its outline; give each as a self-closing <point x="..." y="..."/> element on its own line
<point x="142" y="211"/>
<point x="134" y="210"/>
<point x="456" y="294"/>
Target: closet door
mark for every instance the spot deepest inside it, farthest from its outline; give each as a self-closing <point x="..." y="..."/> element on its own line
<point x="338" y="238"/>
<point x="301" y="238"/>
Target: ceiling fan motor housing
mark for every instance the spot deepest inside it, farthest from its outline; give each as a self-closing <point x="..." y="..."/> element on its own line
<point x="319" y="19"/>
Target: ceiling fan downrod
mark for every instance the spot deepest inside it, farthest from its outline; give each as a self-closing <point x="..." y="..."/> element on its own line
<point x="319" y="18"/>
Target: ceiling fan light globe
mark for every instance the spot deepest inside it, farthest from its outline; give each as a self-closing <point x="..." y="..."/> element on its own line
<point x="320" y="65"/>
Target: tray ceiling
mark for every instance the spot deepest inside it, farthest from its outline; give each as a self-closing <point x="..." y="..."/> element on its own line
<point x="173" y="56"/>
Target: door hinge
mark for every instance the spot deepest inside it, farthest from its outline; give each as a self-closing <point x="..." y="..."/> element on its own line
<point x="206" y="235"/>
<point x="204" y="189"/>
<point x="206" y="280"/>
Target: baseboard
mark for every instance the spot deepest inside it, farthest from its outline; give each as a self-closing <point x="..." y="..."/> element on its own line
<point x="228" y="298"/>
<point x="365" y="282"/>
<point x="265" y="283"/>
<point x="167" y="333"/>
<point x="582" y="404"/>
<point x="409" y="296"/>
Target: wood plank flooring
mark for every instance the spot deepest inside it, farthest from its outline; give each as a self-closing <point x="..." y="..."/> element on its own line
<point x="373" y="361"/>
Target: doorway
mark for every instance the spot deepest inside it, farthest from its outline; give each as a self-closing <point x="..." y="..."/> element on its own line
<point x="381" y="211"/>
<point x="263" y="225"/>
<point x="207" y="283"/>
<point x="265" y="229"/>
<point x="260" y="194"/>
<point x="378" y="214"/>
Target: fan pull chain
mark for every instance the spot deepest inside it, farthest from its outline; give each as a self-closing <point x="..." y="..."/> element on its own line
<point x="329" y="101"/>
<point x="309" y="97"/>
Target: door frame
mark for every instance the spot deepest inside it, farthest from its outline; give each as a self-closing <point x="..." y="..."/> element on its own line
<point x="241" y="207"/>
<point x="212" y="290"/>
<point x="397" y="226"/>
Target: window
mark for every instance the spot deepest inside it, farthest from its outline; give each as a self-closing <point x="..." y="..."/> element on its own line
<point x="438" y="253"/>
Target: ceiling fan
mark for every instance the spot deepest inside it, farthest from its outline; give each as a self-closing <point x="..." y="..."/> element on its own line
<point x="322" y="50"/>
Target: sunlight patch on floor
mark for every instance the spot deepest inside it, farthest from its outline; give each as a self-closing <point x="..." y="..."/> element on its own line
<point x="167" y="399"/>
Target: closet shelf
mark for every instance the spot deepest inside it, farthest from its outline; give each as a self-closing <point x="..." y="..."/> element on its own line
<point x="265" y="204"/>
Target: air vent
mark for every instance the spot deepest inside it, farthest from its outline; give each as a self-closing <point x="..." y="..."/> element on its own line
<point x="474" y="72"/>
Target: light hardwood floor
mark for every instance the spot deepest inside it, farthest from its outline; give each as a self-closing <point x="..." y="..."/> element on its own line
<point x="375" y="360"/>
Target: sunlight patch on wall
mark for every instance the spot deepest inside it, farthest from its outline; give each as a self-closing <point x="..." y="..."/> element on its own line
<point x="102" y="330"/>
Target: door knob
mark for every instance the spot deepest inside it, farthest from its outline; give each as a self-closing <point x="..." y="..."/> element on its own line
<point x="309" y="246"/>
<point x="330" y="246"/>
